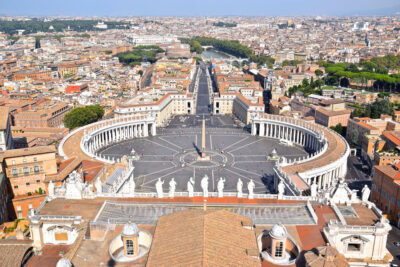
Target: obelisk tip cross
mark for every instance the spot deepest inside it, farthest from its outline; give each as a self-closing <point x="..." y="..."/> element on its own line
<point x="203" y="140"/>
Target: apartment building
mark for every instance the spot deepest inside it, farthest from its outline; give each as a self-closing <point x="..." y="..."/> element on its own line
<point x="26" y="168"/>
<point x="46" y="116"/>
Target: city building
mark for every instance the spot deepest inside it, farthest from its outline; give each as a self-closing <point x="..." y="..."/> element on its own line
<point x="386" y="190"/>
<point x="46" y="116"/>
<point x="6" y="140"/>
<point x="26" y="168"/>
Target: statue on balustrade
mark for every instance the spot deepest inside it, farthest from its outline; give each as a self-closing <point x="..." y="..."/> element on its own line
<point x="250" y="187"/>
<point x="365" y="193"/>
<point x="281" y="189"/>
<point x="159" y="188"/>
<point x="172" y="187"/>
<point x="204" y="185"/>
<point x="239" y="188"/>
<point x="314" y="188"/>
<point x="220" y="187"/>
<point x="190" y="186"/>
<point x="98" y="186"/>
<point x="51" y="189"/>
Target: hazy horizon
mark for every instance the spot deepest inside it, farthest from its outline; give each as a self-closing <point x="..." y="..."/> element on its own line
<point x="162" y="8"/>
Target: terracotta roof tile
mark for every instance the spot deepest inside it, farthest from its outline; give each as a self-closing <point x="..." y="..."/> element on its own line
<point x="202" y="238"/>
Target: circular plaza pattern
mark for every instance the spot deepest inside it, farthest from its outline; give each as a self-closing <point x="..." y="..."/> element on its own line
<point x="174" y="153"/>
<point x="271" y="151"/>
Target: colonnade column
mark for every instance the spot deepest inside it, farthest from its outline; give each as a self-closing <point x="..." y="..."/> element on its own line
<point x="145" y="129"/>
<point x="262" y="129"/>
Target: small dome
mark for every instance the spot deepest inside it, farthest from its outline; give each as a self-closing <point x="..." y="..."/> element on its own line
<point x="130" y="229"/>
<point x="64" y="262"/>
<point x="278" y="231"/>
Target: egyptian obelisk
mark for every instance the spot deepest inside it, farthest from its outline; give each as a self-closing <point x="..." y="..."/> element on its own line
<point x="203" y="140"/>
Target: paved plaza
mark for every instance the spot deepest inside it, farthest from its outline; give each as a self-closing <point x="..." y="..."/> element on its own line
<point x="148" y="213"/>
<point x="174" y="153"/>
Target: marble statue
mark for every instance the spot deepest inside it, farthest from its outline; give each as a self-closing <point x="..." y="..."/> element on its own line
<point x="190" y="186"/>
<point x="365" y="193"/>
<point x="74" y="186"/>
<point x="132" y="186"/>
<point x="98" y="186"/>
<point x="159" y="188"/>
<point x="172" y="187"/>
<point x="239" y="187"/>
<point x="51" y="189"/>
<point x="220" y="187"/>
<point x="250" y="187"/>
<point x="314" y="188"/>
<point x="204" y="185"/>
<point x="281" y="190"/>
<point x="31" y="212"/>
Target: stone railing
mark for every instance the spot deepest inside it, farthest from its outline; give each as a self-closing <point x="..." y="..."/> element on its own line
<point x="338" y="214"/>
<point x="108" y="125"/>
<point x="91" y="129"/>
<point x="320" y="136"/>
<point x="210" y="194"/>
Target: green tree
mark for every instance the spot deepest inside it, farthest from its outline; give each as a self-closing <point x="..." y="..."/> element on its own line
<point x="338" y="128"/>
<point x="195" y="46"/>
<point x="354" y="137"/>
<point x="319" y="73"/>
<point x="82" y="116"/>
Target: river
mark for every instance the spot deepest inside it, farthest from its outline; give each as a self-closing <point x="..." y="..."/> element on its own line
<point x="212" y="53"/>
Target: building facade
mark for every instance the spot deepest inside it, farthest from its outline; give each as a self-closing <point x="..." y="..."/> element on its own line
<point x="26" y="168"/>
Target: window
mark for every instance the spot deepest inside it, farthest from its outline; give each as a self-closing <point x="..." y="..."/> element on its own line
<point x="354" y="247"/>
<point x="26" y="170"/>
<point x="129" y="247"/>
<point x="13" y="162"/>
<point x="28" y="184"/>
<point x="36" y="168"/>
<point x="15" y="186"/>
<point x="35" y="159"/>
<point x="14" y="171"/>
<point x="24" y="160"/>
<point x="279" y="249"/>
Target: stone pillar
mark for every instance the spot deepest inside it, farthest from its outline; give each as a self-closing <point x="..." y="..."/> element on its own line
<point x="36" y="235"/>
<point x="145" y="129"/>
<point x="253" y="128"/>
<point x="319" y="181"/>
<point x="262" y="130"/>
<point x="153" y="129"/>
<point x="135" y="131"/>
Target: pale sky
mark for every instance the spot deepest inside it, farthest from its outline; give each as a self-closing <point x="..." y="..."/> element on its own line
<point x="198" y="8"/>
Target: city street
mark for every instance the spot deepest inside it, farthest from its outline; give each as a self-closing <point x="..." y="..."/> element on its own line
<point x="203" y="96"/>
<point x="356" y="176"/>
<point x="394" y="236"/>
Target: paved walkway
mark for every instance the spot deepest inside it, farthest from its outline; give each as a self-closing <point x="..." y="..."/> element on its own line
<point x="148" y="213"/>
<point x="203" y="96"/>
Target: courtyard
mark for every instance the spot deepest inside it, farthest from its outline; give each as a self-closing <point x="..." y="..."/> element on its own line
<point x="174" y="151"/>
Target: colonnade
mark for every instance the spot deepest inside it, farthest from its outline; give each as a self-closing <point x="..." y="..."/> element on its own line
<point x="287" y="132"/>
<point x="324" y="173"/>
<point x="107" y="136"/>
<point x="104" y="133"/>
